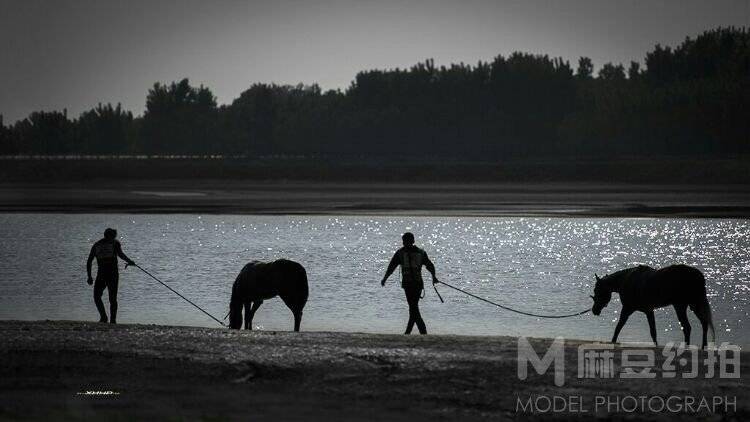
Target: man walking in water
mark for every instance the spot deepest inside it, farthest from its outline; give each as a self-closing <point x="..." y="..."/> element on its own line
<point x="411" y="259"/>
<point x="106" y="252"/>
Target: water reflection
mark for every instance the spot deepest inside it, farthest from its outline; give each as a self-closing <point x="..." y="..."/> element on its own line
<point x="537" y="264"/>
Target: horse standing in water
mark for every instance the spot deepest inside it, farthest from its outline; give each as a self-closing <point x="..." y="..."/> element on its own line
<point x="259" y="281"/>
<point x="644" y="289"/>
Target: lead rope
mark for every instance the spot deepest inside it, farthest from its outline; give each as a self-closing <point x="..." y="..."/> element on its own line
<point x="503" y="306"/>
<point x="178" y="294"/>
<point x="436" y="291"/>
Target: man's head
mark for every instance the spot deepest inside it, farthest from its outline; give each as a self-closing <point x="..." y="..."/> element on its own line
<point x="408" y="239"/>
<point x="110" y="234"/>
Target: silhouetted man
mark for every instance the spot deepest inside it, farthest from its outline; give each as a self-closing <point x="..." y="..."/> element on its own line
<point x="411" y="259"/>
<point x="106" y="252"/>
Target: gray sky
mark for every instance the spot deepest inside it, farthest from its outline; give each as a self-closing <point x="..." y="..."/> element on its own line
<point x="73" y="54"/>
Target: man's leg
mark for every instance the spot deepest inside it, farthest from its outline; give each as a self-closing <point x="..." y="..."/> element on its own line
<point x="410" y="324"/>
<point x="413" y="296"/>
<point x="99" y="287"/>
<point x="112" y="290"/>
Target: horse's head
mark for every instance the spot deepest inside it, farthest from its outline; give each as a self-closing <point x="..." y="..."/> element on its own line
<point x="235" y="316"/>
<point x="602" y="295"/>
<point x="235" y="309"/>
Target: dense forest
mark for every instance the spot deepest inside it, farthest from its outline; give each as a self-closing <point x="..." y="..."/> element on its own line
<point x="687" y="100"/>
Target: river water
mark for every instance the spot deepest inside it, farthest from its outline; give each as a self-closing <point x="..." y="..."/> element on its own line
<point x="543" y="265"/>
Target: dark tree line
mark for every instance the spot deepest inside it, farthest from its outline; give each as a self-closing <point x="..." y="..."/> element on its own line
<point x="692" y="99"/>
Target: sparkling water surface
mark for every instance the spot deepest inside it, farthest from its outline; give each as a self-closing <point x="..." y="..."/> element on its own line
<point x="542" y="265"/>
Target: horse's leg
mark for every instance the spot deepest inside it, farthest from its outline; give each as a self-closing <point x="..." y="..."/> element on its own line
<point x="248" y="318"/>
<point x="295" y="305"/>
<point x="704" y="327"/>
<point x="624" y="315"/>
<point x="250" y="313"/>
<point x="682" y="316"/>
<point x="702" y="313"/>
<point x="297" y="318"/>
<point x="652" y="325"/>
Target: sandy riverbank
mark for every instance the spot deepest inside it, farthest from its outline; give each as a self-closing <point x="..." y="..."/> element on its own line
<point x="237" y="197"/>
<point x="160" y="372"/>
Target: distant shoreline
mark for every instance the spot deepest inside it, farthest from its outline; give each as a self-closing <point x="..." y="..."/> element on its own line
<point x="365" y="199"/>
<point x="642" y="170"/>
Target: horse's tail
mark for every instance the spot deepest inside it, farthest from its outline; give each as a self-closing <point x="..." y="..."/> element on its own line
<point x="306" y="289"/>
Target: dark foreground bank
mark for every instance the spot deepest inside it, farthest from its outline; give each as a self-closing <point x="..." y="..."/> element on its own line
<point x="75" y="370"/>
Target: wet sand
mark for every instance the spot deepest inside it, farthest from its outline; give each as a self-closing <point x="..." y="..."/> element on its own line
<point x="480" y="199"/>
<point x="175" y="373"/>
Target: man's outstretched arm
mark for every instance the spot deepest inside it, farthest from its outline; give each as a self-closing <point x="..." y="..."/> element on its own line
<point x="391" y="268"/>
<point x="88" y="266"/>
<point x="121" y="254"/>
<point x="430" y="267"/>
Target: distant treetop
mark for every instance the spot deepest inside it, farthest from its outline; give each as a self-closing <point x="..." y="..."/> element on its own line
<point x="690" y="99"/>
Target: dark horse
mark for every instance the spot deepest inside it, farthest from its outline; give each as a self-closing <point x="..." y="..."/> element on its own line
<point x="259" y="281"/>
<point x="644" y="289"/>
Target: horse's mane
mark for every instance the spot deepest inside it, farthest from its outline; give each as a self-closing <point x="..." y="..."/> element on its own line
<point x="618" y="275"/>
<point x="259" y="262"/>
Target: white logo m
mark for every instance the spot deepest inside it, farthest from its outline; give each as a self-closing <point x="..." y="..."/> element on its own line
<point x="555" y="353"/>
